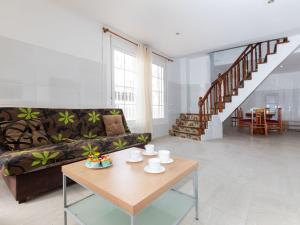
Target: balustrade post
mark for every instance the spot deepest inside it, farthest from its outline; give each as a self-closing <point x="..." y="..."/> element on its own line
<point x="259" y="53"/>
<point x="220" y="94"/>
<point x="239" y="77"/>
<point x="210" y="103"/>
<point x="251" y="63"/>
<point x="244" y="68"/>
<point x="200" y="103"/>
<point x="268" y="47"/>
<point x="256" y="60"/>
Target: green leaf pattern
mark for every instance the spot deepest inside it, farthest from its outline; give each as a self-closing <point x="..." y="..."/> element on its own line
<point x="115" y="112"/>
<point x="89" y="149"/>
<point x="66" y="118"/>
<point x="120" y="144"/>
<point x="5" y="172"/>
<point x="58" y="138"/>
<point x="90" y="135"/>
<point x="143" y="139"/>
<point x="94" y="117"/>
<point x="27" y="114"/>
<point x="43" y="158"/>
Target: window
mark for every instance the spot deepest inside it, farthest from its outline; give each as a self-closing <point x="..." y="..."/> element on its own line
<point x="158" y="103"/>
<point x="272" y="102"/>
<point x="124" y="67"/>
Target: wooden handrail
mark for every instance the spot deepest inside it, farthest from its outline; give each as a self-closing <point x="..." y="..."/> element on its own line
<point x="228" y="83"/>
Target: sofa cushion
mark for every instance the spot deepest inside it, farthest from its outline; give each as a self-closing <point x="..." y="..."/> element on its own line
<point x="3" y="148"/>
<point x="23" y="134"/>
<point x="62" y="124"/>
<point x="29" y="160"/>
<point x="120" y="142"/>
<point x="113" y="125"/>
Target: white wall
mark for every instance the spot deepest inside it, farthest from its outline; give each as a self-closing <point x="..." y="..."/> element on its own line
<point x="52" y="57"/>
<point x="173" y="100"/>
<point x="286" y="86"/>
<point x="195" y="78"/>
<point x="42" y="23"/>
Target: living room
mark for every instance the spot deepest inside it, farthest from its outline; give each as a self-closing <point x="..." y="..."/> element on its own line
<point x="165" y="112"/>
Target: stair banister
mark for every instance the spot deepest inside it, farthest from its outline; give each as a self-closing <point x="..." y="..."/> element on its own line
<point x="228" y="83"/>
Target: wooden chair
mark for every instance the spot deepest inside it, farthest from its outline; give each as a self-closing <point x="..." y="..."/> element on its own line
<point x="259" y="121"/>
<point x="276" y="124"/>
<point x="234" y="118"/>
<point x="242" y="122"/>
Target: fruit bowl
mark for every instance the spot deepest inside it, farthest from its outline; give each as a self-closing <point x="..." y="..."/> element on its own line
<point x="97" y="161"/>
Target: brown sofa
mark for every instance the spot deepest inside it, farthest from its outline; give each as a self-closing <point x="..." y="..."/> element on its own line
<point x="73" y="134"/>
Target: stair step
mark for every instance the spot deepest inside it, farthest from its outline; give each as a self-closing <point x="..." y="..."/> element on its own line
<point x="189" y="116"/>
<point x="183" y="135"/>
<point x="188" y="123"/>
<point x="193" y="117"/>
<point x="186" y="130"/>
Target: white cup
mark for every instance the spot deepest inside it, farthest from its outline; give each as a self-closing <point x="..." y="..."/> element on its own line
<point x="154" y="164"/>
<point x="149" y="148"/>
<point x="135" y="154"/>
<point x="164" y="155"/>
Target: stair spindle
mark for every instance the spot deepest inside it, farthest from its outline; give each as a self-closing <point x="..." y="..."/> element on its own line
<point x="252" y="58"/>
<point x="229" y="82"/>
<point x="259" y="53"/>
<point x="244" y="68"/>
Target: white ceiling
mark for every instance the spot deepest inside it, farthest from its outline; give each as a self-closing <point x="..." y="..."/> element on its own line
<point x="206" y="25"/>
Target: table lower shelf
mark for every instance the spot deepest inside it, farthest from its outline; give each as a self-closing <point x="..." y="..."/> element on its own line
<point x="168" y="209"/>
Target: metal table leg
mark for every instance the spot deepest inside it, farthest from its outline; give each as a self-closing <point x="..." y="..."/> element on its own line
<point x="195" y="183"/>
<point x="132" y="218"/>
<point x="65" y="198"/>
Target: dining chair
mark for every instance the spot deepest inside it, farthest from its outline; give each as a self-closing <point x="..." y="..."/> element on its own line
<point x="259" y="121"/>
<point x="234" y="118"/>
<point x="276" y="124"/>
<point x="242" y="122"/>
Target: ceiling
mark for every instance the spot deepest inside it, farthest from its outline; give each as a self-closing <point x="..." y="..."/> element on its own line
<point x="205" y="25"/>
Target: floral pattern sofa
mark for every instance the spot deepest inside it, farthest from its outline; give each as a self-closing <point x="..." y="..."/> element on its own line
<point x="73" y="133"/>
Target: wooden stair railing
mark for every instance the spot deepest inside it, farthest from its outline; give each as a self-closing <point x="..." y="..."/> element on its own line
<point x="228" y="83"/>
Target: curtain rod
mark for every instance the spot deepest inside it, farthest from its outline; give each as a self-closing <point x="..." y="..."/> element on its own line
<point x="105" y="30"/>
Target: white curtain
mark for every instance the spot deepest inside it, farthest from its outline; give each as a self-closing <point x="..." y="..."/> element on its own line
<point x="144" y="90"/>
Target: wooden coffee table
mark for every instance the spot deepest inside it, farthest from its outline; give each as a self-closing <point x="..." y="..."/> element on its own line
<point x="124" y="194"/>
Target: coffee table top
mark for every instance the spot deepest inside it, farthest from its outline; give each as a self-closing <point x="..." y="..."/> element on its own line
<point x="126" y="184"/>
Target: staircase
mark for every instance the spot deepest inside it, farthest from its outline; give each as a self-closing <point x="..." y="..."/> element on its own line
<point x="187" y="126"/>
<point x="232" y="87"/>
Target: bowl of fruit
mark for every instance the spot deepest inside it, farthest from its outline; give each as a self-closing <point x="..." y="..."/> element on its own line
<point x="97" y="161"/>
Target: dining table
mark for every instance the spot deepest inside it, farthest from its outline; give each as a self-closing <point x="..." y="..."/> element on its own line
<point x="269" y="115"/>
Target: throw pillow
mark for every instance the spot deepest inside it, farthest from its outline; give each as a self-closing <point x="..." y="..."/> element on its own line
<point x="113" y="125"/>
<point x="23" y="134"/>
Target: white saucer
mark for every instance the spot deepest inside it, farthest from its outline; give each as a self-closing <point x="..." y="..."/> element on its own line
<point x="167" y="162"/>
<point x="134" y="160"/>
<point x="149" y="153"/>
<point x="148" y="170"/>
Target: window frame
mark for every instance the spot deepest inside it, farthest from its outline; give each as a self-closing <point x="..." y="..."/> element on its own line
<point x="161" y="63"/>
<point x="123" y="47"/>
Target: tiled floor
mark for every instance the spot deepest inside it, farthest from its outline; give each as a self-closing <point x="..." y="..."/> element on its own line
<point x="243" y="180"/>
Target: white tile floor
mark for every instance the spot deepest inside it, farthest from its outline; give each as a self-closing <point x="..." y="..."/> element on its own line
<point x="243" y="180"/>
